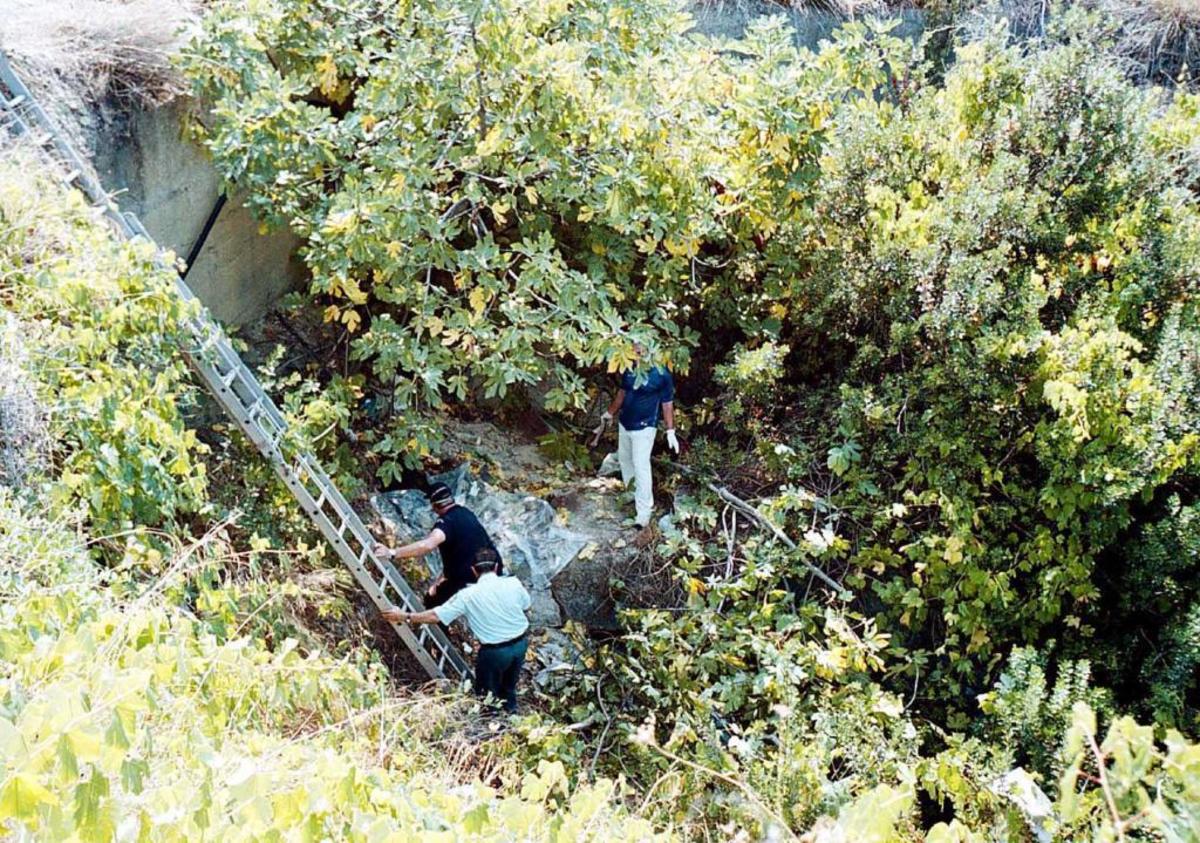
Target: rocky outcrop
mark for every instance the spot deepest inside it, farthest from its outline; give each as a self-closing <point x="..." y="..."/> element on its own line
<point x="564" y="541"/>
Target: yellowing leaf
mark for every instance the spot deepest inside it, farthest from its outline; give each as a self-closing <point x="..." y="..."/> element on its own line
<point x="327" y="76"/>
<point x="683" y="247"/>
<point x="491" y="141"/>
<point x="351" y="320"/>
<point x="331" y="313"/>
<point x="478" y="299"/>
<point x="21" y="796"/>
<point x="353" y="292"/>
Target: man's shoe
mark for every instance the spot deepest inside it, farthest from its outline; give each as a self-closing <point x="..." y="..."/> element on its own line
<point x="645" y="536"/>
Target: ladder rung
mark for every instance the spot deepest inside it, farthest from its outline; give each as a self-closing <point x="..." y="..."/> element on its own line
<point x="15" y="101"/>
<point x="70" y="177"/>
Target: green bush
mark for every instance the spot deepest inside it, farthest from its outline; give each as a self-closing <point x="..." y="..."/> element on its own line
<point x="105" y="329"/>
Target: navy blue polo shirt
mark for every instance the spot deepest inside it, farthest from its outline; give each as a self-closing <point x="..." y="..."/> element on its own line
<point x="465" y="537"/>
<point x="644" y="393"/>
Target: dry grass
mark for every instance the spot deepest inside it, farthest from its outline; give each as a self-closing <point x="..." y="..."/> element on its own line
<point x="88" y="49"/>
<point x="1161" y="38"/>
<point x="1184" y="10"/>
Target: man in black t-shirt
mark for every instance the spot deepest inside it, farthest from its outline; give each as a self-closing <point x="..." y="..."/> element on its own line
<point x="458" y="534"/>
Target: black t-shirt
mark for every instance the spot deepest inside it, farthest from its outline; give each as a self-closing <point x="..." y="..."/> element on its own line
<point x="465" y="537"/>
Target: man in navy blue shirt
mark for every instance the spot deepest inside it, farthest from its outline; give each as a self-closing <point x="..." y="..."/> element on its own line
<point x="643" y="391"/>
<point x="459" y="536"/>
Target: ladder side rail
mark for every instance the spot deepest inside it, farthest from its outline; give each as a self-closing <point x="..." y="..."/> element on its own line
<point x="359" y="531"/>
<point x="304" y="497"/>
<point x="232" y="404"/>
<point x="204" y="328"/>
<point x="368" y="585"/>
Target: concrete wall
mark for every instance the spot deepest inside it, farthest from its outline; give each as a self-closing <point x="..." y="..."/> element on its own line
<point x="169" y="182"/>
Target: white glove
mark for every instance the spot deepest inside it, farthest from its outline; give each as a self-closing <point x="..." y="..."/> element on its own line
<point x="673" y="440"/>
<point x="605" y="418"/>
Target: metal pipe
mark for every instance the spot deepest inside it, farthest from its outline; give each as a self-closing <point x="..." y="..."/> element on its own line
<point x="199" y="244"/>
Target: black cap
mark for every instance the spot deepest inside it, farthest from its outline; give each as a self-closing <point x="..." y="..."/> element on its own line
<point x="486" y="559"/>
<point x="440" y="494"/>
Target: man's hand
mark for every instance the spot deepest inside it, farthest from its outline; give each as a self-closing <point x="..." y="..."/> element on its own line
<point x="382" y="551"/>
<point x="395" y="616"/>
<point x="605" y="418"/>
<point x="673" y="441"/>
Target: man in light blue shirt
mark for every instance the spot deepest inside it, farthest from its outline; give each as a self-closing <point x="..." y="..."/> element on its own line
<point x="495" y="609"/>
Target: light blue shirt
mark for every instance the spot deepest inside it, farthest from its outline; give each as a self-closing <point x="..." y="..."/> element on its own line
<point x="494" y="607"/>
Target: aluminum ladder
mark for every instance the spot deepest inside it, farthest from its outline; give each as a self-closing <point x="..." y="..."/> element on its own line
<point x="239" y="393"/>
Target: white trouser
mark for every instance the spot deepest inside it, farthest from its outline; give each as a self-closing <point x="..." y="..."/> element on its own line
<point x="633" y="452"/>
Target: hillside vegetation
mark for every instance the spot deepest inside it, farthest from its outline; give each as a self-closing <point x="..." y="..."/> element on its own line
<point x="937" y="322"/>
<point x="134" y="707"/>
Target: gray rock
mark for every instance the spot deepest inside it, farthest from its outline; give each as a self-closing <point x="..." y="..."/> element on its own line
<point x="583" y="592"/>
<point x="1019" y="788"/>
<point x="555" y="658"/>
<point x="535" y="546"/>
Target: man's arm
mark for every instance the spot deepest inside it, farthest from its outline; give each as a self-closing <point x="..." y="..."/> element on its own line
<point x="447" y="613"/>
<point x="616" y="403"/>
<point x="669" y="414"/>
<point x="400" y="616"/>
<point x="418" y="548"/>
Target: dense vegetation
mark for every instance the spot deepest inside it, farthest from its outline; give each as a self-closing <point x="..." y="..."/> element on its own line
<point x="946" y="312"/>
<point x="935" y="314"/>
<point x="133" y="703"/>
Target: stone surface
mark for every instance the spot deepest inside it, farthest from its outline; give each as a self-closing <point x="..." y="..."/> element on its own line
<point x="563" y="542"/>
<point x="534" y="544"/>
<point x="554" y="657"/>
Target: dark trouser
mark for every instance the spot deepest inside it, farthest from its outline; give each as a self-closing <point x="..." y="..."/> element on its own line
<point x="497" y="669"/>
